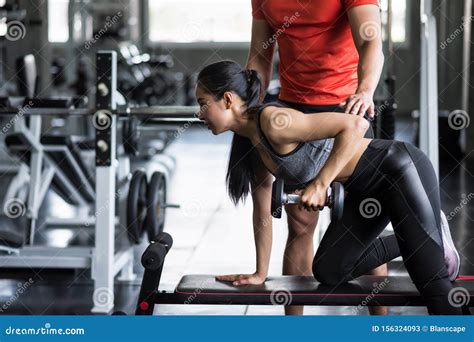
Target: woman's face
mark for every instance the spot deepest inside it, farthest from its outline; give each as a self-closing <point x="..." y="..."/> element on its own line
<point x="214" y="113"/>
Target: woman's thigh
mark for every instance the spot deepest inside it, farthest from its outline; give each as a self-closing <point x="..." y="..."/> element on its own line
<point x="345" y="241"/>
<point x="301" y="222"/>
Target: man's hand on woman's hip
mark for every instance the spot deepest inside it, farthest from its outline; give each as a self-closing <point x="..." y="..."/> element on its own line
<point x="359" y="103"/>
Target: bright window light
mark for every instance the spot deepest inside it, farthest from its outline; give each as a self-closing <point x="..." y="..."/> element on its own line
<point x="187" y="21"/>
<point x="58" y="27"/>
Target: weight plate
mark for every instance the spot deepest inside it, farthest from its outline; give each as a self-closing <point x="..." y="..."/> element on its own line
<point x="136" y="206"/>
<point x="277" y="198"/>
<point x="337" y="205"/>
<point x="130" y="136"/>
<point x="156" y="201"/>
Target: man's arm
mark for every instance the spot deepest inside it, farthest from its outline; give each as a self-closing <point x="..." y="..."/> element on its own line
<point x="366" y="32"/>
<point x="261" y="51"/>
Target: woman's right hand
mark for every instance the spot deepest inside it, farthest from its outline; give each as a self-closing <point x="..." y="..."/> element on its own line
<point x="243" y="279"/>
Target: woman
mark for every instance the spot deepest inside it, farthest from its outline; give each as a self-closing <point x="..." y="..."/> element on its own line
<point x="309" y="151"/>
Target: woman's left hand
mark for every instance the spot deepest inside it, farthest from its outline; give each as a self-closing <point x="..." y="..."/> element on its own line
<point x="313" y="197"/>
<point x="358" y="104"/>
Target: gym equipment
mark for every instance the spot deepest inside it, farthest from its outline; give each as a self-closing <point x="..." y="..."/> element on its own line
<point x="137" y="206"/>
<point x="156" y="200"/>
<point x="280" y="290"/>
<point x="335" y="199"/>
<point x="429" y="83"/>
<point x="53" y="161"/>
<point x="146" y="80"/>
<point x="156" y="205"/>
<point x="130" y="136"/>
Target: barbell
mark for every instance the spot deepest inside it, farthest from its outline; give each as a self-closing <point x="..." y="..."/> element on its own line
<point x="166" y="113"/>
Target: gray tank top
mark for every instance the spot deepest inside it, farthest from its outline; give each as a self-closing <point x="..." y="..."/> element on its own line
<point x="300" y="166"/>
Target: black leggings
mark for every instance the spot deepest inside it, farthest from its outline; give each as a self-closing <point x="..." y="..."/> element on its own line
<point x="393" y="181"/>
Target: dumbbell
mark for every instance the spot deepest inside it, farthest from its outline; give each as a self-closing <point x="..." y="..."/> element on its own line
<point x="335" y="199"/>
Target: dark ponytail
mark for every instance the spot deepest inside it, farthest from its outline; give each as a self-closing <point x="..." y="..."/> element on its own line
<point x="216" y="79"/>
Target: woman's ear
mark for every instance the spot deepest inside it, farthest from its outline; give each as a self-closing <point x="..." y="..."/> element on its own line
<point x="228" y="99"/>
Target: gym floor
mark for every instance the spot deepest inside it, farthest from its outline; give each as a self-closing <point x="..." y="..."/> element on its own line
<point x="211" y="237"/>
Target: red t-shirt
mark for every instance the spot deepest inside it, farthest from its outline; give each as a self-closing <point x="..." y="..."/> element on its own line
<point x="318" y="57"/>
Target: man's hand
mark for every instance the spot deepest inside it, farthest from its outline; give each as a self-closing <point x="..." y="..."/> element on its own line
<point x="243" y="279"/>
<point x="358" y="104"/>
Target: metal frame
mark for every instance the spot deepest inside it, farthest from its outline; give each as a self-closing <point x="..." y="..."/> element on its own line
<point x="106" y="264"/>
<point x="429" y="85"/>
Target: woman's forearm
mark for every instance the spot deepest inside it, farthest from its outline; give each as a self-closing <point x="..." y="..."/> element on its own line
<point x="370" y="67"/>
<point x="262" y="226"/>
<point x="346" y="144"/>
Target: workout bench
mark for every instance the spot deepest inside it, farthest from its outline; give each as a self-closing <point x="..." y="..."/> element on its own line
<point x="281" y="290"/>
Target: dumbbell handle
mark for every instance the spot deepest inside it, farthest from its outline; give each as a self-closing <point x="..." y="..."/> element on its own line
<point x="167" y="205"/>
<point x="291" y="198"/>
<point x="295" y="199"/>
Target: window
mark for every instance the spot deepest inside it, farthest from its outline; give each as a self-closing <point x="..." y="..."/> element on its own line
<point x="185" y="21"/>
<point x="58" y="14"/>
<point x="399" y="20"/>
